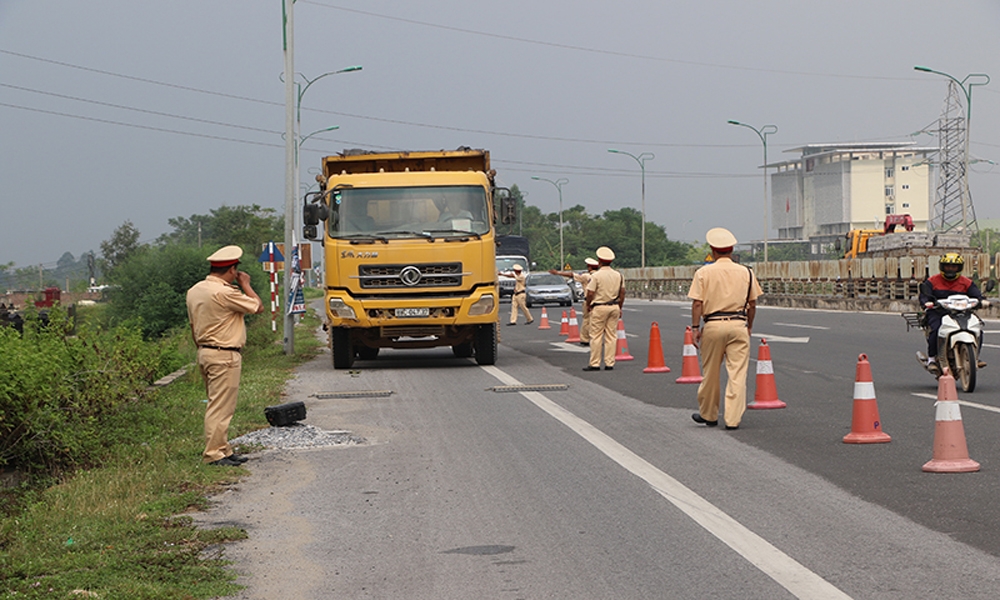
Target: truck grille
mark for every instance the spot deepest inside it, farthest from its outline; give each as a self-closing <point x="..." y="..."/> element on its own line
<point x="411" y="276"/>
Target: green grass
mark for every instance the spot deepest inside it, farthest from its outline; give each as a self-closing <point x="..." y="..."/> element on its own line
<point x="119" y="529"/>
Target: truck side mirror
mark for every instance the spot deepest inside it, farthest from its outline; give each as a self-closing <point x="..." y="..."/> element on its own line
<point x="506" y="206"/>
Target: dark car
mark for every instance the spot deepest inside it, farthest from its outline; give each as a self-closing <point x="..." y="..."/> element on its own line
<point x="545" y="288"/>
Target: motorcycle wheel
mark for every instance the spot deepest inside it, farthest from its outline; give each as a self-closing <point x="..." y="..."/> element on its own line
<point x="965" y="366"/>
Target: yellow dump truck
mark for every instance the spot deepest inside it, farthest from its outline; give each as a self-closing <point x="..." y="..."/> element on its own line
<point x="408" y="248"/>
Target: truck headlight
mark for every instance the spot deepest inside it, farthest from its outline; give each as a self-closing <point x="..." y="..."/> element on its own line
<point x="483" y="306"/>
<point x="341" y="310"/>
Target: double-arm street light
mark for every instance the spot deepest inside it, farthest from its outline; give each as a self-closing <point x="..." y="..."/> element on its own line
<point x="558" y="183"/>
<point x="762" y="133"/>
<point x="292" y="144"/>
<point x="967" y="90"/>
<point x="641" y="159"/>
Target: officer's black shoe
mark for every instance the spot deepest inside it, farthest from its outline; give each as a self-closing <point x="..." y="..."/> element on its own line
<point x="239" y="458"/>
<point x="590" y="368"/>
<point x="731" y="428"/>
<point x="697" y="418"/>
<point x="509" y="324"/>
<point x="609" y="368"/>
<point x="225" y="462"/>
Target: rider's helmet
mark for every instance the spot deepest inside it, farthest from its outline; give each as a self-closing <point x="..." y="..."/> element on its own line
<point x="951" y="265"/>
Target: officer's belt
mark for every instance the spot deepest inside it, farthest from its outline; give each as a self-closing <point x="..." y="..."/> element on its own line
<point x="726" y="316"/>
<point x="222" y="348"/>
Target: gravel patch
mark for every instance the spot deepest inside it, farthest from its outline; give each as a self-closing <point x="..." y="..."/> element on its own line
<point x="298" y="435"/>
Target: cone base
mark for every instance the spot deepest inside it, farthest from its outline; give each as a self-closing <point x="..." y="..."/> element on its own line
<point x="573" y="340"/>
<point x="626" y="357"/>
<point x="656" y="369"/>
<point x="545" y="327"/>
<point x="875" y="437"/>
<point x="766" y="404"/>
<point x="951" y="466"/>
<point x="690" y="379"/>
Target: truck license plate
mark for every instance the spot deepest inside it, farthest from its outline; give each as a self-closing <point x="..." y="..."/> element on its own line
<point x="413" y="312"/>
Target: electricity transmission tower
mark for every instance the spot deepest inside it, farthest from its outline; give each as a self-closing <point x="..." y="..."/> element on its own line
<point x="953" y="209"/>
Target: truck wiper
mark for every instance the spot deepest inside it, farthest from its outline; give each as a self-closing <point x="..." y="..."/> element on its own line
<point x="422" y="234"/>
<point x="458" y="231"/>
<point x="363" y="238"/>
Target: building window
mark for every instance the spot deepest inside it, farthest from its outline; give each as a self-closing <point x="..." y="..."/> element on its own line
<point x="888" y="173"/>
<point x="889" y="191"/>
<point x="906" y="168"/>
<point x="888" y="209"/>
<point x="906" y="205"/>
<point x="906" y="186"/>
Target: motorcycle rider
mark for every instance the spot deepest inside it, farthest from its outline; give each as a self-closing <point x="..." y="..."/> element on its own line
<point x="947" y="283"/>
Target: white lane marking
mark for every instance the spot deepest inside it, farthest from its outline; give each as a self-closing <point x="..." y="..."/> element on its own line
<point x="990" y="345"/>
<point x="962" y="402"/>
<point x="779" y="338"/>
<point x="783" y="569"/>
<point x="801" y="326"/>
<point x="564" y="347"/>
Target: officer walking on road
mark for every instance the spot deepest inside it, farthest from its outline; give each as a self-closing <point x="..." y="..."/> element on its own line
<point x="216" y="309"/>
<point x="605" y="297"/>
<point x="724" y="293"/>
<point x="517" y="301"/>
<point x="583" y="279"/>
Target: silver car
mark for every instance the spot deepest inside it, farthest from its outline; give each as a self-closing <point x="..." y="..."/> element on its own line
<point x="545" y="288"/>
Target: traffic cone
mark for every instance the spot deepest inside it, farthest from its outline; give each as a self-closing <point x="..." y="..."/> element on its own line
<point x="951" y="454"/>
<point x="655" y="361"/>
<point x="766" y="394"/>
<point x="690" y="370"/>
<point x="866" y="428"/>
<point x="621" y="347"/>
<point x="574" y="328"/>
<point x="545" y="320"/>
<point x="564" y="325"/>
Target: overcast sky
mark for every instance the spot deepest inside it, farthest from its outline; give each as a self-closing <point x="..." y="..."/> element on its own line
<point x="137" y="110"/>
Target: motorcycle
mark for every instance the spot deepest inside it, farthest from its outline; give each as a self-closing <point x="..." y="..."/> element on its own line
<point x="959" y="337"/>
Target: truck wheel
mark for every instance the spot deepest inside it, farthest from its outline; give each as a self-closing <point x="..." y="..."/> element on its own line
<point x="343" y="352"/>
<point x="486" y="344"/>
<point x="463" y="350"/>
<point x="367" y="352"/>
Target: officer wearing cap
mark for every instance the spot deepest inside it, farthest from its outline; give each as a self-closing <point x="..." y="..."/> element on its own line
<point x="517" y="301"/>
<point x="216" y="309"/>
<point x="583" y="279"/>
<point x="724" y="293"/>
<point x="604" y="300"/>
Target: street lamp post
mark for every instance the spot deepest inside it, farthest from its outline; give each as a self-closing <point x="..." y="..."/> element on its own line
<point x="967" y="90"/>
<point x="558" y="183"/>
<point x="762" y="133"/>
<point x="641" y="159"/>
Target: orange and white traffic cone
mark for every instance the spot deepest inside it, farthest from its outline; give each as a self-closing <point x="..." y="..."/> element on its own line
<point x="655" y="361"/>
<point x="866" y="428"/>
<point x="690" y="370"/>
<point x="564" y="325"/>
<point x="951" y="454"/>
<point x="766" y="394"/>
<point x="574" y="328"/>
<point x="545" y="320"/>
<point x="621" y="347"/>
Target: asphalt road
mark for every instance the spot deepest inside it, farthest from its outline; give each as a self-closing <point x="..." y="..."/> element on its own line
<point x="607" y="489"/>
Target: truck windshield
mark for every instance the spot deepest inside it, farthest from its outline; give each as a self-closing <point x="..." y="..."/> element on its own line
<point x="409" y="211"/>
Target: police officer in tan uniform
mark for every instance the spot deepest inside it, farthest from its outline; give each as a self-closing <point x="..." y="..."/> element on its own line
<point x="724" y="294"/>
<point x="583" y="279"/>
<point x="216" y="309"/>
<point x="605" y="297"/>
<point x="517" y="301"/>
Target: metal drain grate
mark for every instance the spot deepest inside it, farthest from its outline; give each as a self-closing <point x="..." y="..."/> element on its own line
<point x="537" y="387"/>
<point x="353" y="394"/>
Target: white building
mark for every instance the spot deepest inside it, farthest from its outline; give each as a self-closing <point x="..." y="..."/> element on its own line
<point x="831" y="189"/>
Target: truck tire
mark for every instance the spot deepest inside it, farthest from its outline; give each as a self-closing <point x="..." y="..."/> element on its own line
<point x="340" y="344"/>
<point x="486" y="344"/>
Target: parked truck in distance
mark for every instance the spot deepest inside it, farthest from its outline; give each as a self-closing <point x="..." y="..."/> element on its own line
<point x="888" y="242"/>
<point x="409" y="251"/>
